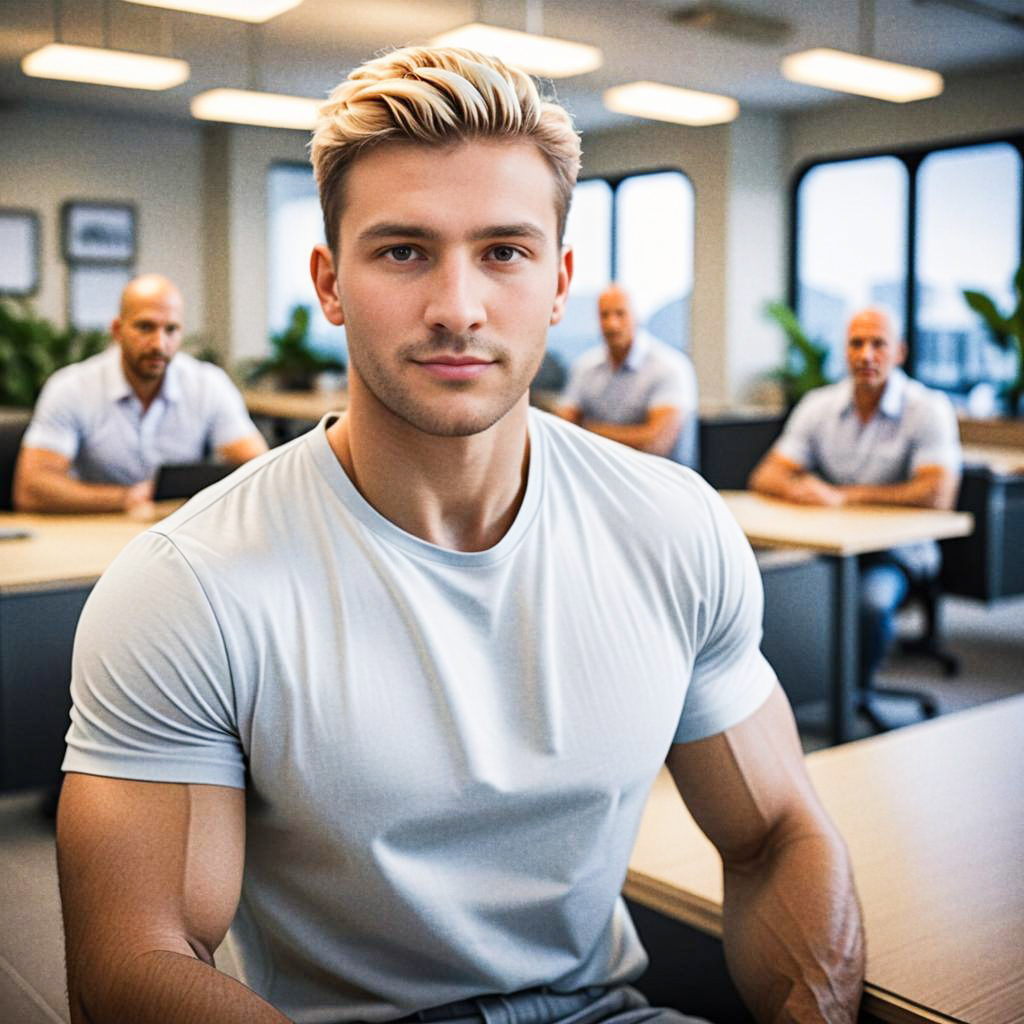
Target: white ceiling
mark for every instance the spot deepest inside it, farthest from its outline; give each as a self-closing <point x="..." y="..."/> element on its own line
<point x="309" y="49"/>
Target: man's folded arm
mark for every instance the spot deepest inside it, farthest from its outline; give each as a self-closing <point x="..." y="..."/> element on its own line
<point x="43" y="483"/>
<point x="150" y="876"/>
<point x="793" y="937"/>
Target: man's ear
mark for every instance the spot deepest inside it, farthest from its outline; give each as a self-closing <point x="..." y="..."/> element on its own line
<point x="325" y="281"/>
<point x="564" y="277"/>
<point x="115" y="328"/>
<point x="901" y="353"/>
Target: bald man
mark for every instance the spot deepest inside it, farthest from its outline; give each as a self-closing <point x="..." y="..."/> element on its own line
<point x="875" y="438"/>
<point x="634" y="389"/>
<point x="102" y="427"/>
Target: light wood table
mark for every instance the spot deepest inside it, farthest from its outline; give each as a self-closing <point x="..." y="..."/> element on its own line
<point x="934" y="818"/>
<point x="841" y="534"/>
<point x="304" y="406"/>
<point x="1001" y="460"/>
<point x="45" y="579"/>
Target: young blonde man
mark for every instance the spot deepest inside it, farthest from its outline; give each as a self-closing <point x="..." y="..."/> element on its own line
<point x="391" y="702"/>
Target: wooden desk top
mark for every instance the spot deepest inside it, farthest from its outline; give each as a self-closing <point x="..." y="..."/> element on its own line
<point x="1000" y="460"/>
<point x="65" y="550"/>
<point x="294" y="405"/>
<point x="934" y="819"/>
<point x="852" y="530"/>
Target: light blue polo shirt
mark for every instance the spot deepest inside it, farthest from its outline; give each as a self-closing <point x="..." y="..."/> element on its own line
<point x="653" y="374"/>
<point x="913" y="427"/>
<point x="89" y="413"/>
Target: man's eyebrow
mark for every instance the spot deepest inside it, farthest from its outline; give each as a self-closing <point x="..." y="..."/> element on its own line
<point x="395" y="229"/>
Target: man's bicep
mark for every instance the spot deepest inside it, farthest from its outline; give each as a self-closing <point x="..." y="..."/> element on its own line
<point x="743" y="783"/>
<point x="242" y="450"/>
<point x="146" y="866"/>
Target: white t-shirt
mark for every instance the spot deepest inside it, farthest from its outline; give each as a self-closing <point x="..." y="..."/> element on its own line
<point x="89" y="413"/>
<point x="447" y="753"/>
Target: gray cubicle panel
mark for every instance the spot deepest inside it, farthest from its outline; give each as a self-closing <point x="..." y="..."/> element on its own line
<point x="989" y="564"/>
<point x="732" y="445"/>
<point x="36" y="636"/>
<point x="799" y="621"/>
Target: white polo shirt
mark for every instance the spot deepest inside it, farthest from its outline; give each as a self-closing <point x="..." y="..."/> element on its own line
<point x="89" y="413"/>
<point x="653" y="374"/>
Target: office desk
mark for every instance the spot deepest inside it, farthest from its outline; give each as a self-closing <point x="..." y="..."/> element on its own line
<point x="841" y="534"/>
<point x="44" y="581"/>
<point x="934" y="819"/>
<point x="306" y="406"/>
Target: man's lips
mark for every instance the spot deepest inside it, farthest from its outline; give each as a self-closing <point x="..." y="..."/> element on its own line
<point x="455" y="367"/>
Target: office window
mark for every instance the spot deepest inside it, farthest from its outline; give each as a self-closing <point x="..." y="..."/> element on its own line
<point x="851" y="246"/>
<point x="294" y="226"/>
<point x="968" y="236"/>
<point x="638" y="230"/>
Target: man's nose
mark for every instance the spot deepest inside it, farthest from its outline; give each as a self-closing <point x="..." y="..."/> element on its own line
<point x="456" y="299"/>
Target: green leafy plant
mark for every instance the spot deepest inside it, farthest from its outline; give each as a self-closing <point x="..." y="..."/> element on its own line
<point x="294" y="363"/>
<point x="803" y="369"/>
<point x="31" y="348"/>
<point x="1007" y="331"/>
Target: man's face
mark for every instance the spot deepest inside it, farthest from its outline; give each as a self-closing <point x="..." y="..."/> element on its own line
<point x="871" y="350"/>
<point x="449" y="273"/>
<point x="617" y="324"/>
<point x="149" y="332"/>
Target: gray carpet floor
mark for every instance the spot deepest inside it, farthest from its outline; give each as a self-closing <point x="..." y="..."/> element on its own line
<point x="988" y="640"/>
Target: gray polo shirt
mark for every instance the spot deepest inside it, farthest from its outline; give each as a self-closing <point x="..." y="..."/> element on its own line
<point x="653" y="374"/>
<point x="914" y="426"/>
<point x="89" y="413"/>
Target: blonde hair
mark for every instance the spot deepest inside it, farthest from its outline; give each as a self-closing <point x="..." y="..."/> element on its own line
<point x="437" y="97"/>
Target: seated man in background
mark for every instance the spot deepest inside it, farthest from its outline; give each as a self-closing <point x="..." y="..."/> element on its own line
<point x="876" y="438"/>
<point x="634" y="389"/>
<point x="102" y="427"/>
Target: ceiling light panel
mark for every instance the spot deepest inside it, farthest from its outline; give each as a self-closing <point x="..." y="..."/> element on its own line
<point x="536" y="55"/>
<point x="863" y="76"/>
<point x="658" y="102"/>
<point x="266" y="109"/>
<point x="239" y="10"/>
<point x="97" y="66"/>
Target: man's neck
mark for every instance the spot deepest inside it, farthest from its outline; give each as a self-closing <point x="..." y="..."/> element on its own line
<point x="866" y="401"/>
<point x="145" y="390"/>
<point x="460" y="493"/>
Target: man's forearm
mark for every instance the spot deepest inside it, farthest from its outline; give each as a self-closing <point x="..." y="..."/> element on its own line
<point x="923" y="492"/>
<point x="163" y="987"/>
<point x="645" y="437"/>
<point x="794" y="940"/>
<point x="54" y="492"/>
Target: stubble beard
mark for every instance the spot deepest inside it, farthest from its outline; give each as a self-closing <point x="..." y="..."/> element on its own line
<point x="424" y="407"/>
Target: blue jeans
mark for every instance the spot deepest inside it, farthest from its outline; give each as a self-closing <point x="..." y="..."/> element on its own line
<point x="619" y="1005"/>
<point x="883" y="588"/>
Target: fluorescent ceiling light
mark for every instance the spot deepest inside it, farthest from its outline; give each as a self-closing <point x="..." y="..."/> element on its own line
<point x="104" y="67"/>
<point x="536" y="55"/>
<point x="670" y="103"/>
<point x="268" y="109"/>
<point x="239" y="10"/>
<point x="865" y="76"/>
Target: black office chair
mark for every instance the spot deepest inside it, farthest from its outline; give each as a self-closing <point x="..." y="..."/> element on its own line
<point x="927" y="593"/>
<point x="12" y="427"/>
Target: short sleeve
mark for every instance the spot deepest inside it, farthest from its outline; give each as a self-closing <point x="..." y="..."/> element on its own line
<point x="731" y="678"/>
<point x="572" y="395"/>
<point x="797" y="440"/>
<point x="229" y="419"/>
<point x="676" y="385"/>
<point x="150" y="681"/>
<point x="936" y="435"/>
<point x="56" y="421"/>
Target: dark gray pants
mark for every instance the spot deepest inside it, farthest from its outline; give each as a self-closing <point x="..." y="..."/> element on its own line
<point x="621" y="1005"/>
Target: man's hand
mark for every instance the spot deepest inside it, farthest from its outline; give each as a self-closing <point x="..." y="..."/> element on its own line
<point x="808" y="489"/>
<point x="138" y="499"/>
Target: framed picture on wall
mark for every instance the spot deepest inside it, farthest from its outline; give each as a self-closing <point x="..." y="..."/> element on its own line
<point x="19" y="252"/>
<point x="98" y="232"/>
<point x="94" y="294"/>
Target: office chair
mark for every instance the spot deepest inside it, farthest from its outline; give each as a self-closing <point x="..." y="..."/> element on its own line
<point x="12" y="426"/>
<point x="928" y="594"/>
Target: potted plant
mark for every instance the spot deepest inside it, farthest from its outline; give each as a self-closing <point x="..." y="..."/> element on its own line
<point x="294" y="363"/>
<point x="1007" y="331"/>
<point x="31" y="348"/>
<point x="803" y="368"/>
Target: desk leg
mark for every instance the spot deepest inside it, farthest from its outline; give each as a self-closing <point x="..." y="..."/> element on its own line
<point x="846" y="649"/>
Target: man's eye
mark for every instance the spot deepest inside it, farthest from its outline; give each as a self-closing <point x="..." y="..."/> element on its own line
<point x="402" y="253"/>
<point x="505" y="253"/>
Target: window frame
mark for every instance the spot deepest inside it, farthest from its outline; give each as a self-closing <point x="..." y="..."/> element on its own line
<point x="912" y="157"/>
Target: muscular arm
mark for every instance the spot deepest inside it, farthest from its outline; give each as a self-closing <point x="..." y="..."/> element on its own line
<point x="150" y="875"/>
<point x="43" y="483"/>
<point x="657" y="434"/>
<point x="779" y="477"/>
<point x="242" y="450"/>
<point x="792" y="925"/>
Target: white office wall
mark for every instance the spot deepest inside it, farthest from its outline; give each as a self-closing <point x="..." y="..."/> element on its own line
<point x="49" y="155"/>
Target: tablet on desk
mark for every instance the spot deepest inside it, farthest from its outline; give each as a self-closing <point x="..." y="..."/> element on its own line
<point x="183" y="479"/>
